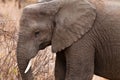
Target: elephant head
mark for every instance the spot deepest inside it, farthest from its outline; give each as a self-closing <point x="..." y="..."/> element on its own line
<point x="58" y="23"/>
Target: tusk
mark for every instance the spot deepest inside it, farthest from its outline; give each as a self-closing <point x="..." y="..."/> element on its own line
<point x="28" y="67"/>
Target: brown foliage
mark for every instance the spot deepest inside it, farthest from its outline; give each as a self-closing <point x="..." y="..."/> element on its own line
<point x="20" y="2"/>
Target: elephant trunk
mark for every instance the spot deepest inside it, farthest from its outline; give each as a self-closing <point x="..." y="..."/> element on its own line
<point x="23" y="60"/>
<point x="22" y="64"/>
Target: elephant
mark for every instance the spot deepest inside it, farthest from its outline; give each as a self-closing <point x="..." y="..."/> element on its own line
<point x="84" y="35"/>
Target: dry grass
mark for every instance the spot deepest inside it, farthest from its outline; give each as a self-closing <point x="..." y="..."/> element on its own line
<point x="8" y="37"/>
<point x="43" y="63"/>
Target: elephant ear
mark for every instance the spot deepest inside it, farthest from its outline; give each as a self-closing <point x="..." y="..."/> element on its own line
<point x="73" y="20"/>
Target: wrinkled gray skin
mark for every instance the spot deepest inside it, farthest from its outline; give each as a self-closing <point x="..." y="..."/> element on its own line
<point x="84" y="35"/>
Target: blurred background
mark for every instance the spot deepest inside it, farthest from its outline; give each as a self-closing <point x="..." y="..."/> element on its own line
<point x="42" y="64"/>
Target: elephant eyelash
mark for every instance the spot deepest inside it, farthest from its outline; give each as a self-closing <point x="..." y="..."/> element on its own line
<point x="43" y="13"/>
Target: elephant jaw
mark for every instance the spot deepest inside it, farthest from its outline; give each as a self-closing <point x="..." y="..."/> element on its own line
<point x="28" y="67"/>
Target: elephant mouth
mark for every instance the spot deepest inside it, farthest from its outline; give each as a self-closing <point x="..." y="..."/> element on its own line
<point x="44" y="45"/>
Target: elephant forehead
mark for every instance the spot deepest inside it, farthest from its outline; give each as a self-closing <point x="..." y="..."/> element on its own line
<point x="112" y="5"/>
<point x="29" y="20"/>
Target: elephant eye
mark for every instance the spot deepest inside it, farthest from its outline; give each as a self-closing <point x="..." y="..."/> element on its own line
<point x="54" y="23"/>
<point x="37" y="33"/>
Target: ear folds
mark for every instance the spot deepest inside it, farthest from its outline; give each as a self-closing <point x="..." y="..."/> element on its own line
<point x="72" y="22"/>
